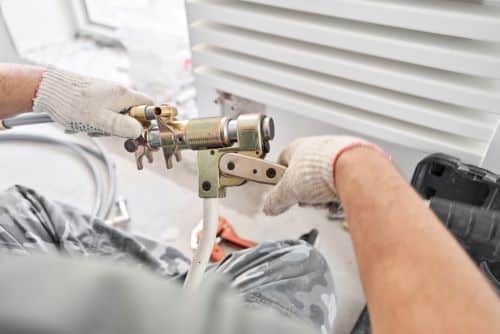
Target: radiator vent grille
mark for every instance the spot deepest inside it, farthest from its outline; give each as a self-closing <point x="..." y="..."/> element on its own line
<point x="425" y="74"/>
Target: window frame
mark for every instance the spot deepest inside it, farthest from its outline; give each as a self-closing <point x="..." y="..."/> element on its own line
<point x="86" y="27"/>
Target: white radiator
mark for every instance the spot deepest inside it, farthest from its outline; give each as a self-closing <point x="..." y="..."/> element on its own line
<point x="423" y="74"/>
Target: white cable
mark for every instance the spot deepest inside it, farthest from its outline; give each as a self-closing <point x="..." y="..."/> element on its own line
<point x="109" y="201"/>
<point x="104" y="201"/>
<point x="208" y="235"/>
<point x="103" y="204"/>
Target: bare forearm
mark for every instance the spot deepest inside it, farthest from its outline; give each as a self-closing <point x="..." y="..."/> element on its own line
<point x="416" y="278"/>
<point x="18" y="86"/>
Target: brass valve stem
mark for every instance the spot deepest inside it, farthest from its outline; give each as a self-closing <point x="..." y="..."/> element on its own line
<point x="146" y="113"/>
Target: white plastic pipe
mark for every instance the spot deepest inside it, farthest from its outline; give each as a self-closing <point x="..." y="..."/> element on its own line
<point x="202" y="254"/>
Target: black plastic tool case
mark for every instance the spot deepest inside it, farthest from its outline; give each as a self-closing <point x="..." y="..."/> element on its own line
<point x="446" y="177"/>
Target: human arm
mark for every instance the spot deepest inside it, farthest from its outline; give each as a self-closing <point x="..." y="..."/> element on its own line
<point x="18" y="87"/>
<point x="415" y="276"/>
<point x="77" y="102"/>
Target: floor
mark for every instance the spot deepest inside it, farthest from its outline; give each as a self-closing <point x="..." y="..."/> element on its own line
<point x="164" y="205"/>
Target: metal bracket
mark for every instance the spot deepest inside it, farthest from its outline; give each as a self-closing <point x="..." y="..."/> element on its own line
<point x="252" y="142"/>
<point x="232" y="106"/>
<point x="251" y="169"/>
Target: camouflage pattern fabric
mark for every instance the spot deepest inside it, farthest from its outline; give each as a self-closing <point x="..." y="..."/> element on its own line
<point x="289" y="276"/>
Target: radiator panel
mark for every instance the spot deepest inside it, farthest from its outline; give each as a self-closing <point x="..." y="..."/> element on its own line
<point x="451" y="18"/>
<point x="417" y="73"/>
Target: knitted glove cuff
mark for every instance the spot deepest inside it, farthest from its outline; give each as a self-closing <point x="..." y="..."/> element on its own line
<point x="59" y="92"/>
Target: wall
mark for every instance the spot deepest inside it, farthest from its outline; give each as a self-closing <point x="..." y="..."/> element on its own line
<point x="47" y="22"/>
<point x="7" y="51"/>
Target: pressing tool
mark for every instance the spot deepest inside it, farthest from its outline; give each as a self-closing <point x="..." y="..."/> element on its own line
<point x="230" y="151"/>
<point x="225" y="234"/>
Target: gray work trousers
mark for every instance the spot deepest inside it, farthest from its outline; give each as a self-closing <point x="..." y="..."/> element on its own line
<point x="289" y="276"/>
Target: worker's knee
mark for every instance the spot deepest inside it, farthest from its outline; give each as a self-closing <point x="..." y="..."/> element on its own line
<point x="290" y="276"/>
<point x="277" y="261"/>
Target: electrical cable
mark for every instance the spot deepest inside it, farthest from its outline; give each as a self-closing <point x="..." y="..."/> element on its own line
<point x="104" y="200"/>
<point x="27" y="119"/>
<point x="104" y="204"/>
<point x="104" y="156"/>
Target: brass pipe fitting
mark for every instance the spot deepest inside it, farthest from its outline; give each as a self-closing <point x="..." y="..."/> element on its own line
<point x="146" y="113"/>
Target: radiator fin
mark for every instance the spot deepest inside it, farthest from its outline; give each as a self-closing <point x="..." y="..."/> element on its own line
<point x="425" y="74"/>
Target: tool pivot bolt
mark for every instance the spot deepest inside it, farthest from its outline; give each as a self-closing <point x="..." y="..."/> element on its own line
<point x="206" y="186"/>
<point x="131" y="145"/>
<point x="271" y="173"/>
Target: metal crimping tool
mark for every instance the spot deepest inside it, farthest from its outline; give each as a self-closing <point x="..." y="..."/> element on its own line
<point x="230" y="151"/>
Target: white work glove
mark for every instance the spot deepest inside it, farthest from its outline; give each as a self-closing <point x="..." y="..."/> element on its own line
<point x="89" y="105"/>
<point x="309" y="179"/>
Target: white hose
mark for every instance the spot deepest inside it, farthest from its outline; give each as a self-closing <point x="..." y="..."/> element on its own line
<point x="104" y="200"/>
<point x="207" y="240"/>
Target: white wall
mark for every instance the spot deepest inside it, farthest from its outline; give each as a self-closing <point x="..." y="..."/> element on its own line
<point x="37" y="23"/>
<point x="7" y="51"/>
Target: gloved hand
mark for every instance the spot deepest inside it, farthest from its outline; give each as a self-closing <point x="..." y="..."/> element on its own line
<point x="310" y="177"/>
<point x="88" y="105"/>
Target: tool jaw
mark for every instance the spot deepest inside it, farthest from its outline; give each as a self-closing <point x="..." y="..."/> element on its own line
<point x="213" y="182"/>
<point x="230" y="151"/>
